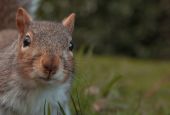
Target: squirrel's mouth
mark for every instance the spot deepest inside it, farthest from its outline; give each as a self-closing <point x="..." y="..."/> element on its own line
<point x="45" y="78"/>
<point x="59" y="76"/>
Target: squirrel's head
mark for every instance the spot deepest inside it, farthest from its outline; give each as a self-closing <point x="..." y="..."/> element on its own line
<point x="45" y="48"/>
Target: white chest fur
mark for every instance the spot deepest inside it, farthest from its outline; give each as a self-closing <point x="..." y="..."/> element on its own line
<point x="32" y="102"/>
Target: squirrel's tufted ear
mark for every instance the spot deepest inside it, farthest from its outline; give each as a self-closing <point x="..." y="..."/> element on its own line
<point x="22" y="20"/>
<point x="69" y="22"/>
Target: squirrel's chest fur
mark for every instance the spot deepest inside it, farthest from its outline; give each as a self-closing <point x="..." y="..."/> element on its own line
<point x="17" y="102"/>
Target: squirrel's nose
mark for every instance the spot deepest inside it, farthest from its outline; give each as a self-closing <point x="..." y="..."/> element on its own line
<point x="50" y="65"/>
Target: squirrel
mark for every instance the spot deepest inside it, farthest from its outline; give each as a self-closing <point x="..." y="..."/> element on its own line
<point x="36" y="66"/>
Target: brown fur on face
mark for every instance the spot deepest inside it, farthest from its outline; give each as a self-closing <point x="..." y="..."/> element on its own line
<point x="48" y="55"/>
<point x="48" y="51"/>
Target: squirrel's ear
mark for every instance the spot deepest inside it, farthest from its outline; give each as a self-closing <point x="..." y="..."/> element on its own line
<point x="22" y="20"/>
<point x="69" y="22"/>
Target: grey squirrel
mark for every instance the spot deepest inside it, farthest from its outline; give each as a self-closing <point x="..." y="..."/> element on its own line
<point x="36" y="65"/>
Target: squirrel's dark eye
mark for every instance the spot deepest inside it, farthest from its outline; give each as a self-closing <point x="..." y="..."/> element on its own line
<point x="71" y="46"/>
<point x="27" y="41"/>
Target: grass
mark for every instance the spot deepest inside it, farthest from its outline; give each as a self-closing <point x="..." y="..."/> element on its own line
<point x="121" y="86"/>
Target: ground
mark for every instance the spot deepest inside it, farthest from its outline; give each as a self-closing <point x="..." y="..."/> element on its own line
<point x="107" y="85"/>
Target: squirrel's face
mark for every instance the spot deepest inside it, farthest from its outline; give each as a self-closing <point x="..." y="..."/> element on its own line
<point x="45" y="49"/>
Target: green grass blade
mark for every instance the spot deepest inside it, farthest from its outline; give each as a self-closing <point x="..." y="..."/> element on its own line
<point x="61" y="109"/>
<point x="45" y="107"/>
<point x="79" y="103"/>
<point x="49" y="109"/>
<point x="74" y="105"/>
<point x="108" y="87"/>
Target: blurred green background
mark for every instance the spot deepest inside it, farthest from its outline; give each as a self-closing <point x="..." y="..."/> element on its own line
<point x="136" y="28"/>
<point x="122" y="52"/>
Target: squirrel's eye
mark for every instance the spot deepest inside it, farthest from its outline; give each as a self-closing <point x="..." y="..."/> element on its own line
<point x="71" y="46"/>
<point x="27" y="41"/>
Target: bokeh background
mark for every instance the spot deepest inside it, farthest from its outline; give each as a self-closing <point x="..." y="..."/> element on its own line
<point x="122" y="52"/>
<point x="136" y="28"/>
